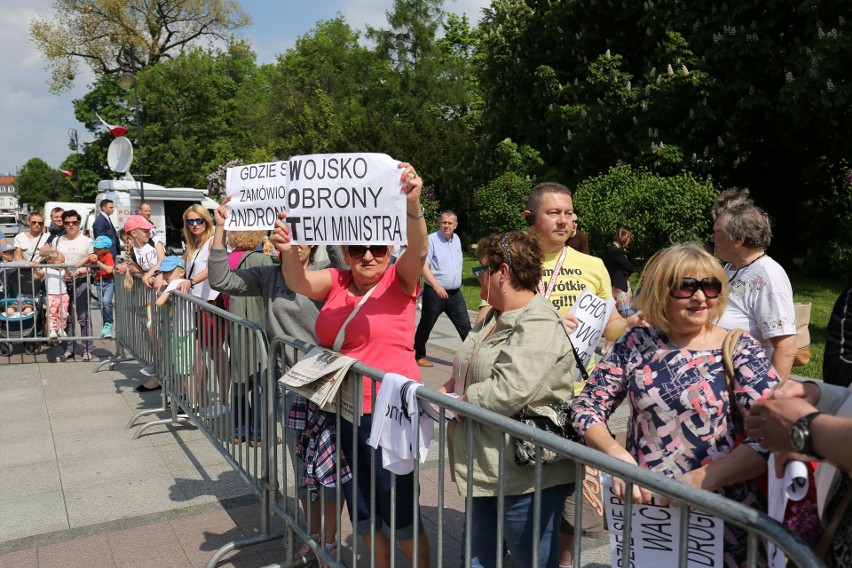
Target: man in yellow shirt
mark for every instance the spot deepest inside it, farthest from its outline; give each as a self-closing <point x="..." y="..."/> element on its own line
<point x="550" y="215"/>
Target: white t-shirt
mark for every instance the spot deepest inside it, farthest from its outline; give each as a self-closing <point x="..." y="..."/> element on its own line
<point x="760" y="301"/>
<point x="195" y="266"/>
<point x="29" y="245"/>
<point x="75" y="250"/>
<point x="54" y="281"/>
<point x="146" y="257"/>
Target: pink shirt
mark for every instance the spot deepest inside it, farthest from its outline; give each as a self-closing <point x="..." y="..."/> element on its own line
<point x="382" y="332"/>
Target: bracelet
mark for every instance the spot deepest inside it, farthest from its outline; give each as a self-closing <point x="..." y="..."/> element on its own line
<point x="422" y="212"/>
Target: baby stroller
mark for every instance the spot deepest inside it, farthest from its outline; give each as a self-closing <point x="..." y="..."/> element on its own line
<point x="20" y="292"/>
<point x="18" y="326"/>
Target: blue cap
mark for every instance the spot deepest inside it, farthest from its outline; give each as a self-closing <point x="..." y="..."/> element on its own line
<point x="102" y="242"/>
<point x="170" y="263"/>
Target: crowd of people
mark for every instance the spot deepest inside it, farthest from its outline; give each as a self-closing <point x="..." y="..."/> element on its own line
<point x="663" y="355"/>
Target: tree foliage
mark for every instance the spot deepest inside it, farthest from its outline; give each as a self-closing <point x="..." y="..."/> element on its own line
<point x="659" y="209"/>
<point x="97" y="32"/>
<point x="38" y="183"/>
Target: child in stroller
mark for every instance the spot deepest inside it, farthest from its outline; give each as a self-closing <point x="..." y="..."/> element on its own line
<point x="19" y="307"/>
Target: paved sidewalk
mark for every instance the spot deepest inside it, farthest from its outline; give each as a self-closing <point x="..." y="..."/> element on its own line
<point x="77" y="491"/>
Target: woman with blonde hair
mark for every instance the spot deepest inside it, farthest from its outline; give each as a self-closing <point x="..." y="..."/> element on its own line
<point x="672" y="376"/>
<point x="211" y="333"/>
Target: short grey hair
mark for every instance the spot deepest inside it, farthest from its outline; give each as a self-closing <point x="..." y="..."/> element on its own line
<point x="731" y="197"/>
<point x="748" y="222"/>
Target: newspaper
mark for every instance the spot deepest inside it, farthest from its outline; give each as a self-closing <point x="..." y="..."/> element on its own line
<point x="319" y="376"/>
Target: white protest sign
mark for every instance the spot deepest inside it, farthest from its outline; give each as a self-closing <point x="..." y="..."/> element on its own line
<point x="592" y="314"/>
<point x="329" y="198"/>
<point x="655" y="534"/>
<point x="258" y="193"/>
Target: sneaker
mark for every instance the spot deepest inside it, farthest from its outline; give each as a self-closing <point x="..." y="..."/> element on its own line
<point x="53" y="336"/>
<point x="65" y="357"/>
<point x="107" y="330"/>
<point x="86" y="357"/>
<point x="150" y="370"/>
<point x="62" y="333"/>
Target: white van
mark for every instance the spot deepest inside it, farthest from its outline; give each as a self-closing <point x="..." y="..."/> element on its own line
<point x="167" y="206"/>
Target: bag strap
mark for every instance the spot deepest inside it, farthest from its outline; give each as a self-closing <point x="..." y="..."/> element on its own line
<point x="728" y="346"/>
<point x="824" y="544"/>
<point x="341" y="334"/>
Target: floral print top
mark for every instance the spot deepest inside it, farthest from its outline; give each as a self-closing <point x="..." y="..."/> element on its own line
<point x="680" y="408"/>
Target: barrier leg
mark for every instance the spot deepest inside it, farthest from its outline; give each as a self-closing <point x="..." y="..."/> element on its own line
<point x="118" y="357"/>
<point x="175" y="417"/>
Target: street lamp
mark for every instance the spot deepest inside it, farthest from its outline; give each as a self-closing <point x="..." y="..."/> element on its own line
<point x="126" y="81"/>
<point x="74" y="146"/>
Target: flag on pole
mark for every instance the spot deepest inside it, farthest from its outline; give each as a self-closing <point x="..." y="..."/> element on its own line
<point x="115" y="130"/>
<point x="66" y="173"/>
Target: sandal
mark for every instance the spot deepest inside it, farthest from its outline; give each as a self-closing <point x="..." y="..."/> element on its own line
<point x="64" y="357"/>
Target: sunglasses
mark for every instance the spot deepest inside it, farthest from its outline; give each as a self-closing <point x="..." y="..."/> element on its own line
<point x="36" y="222"/>
<point x="689" y="286"/>
<point x="71" y="223"/>
<point x="479" y="269"/>
<point x="191" y="222"/>
<point x="358" y="251"/>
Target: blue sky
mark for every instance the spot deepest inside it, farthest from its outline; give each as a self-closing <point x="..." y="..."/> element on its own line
<point x="35" y="122"/>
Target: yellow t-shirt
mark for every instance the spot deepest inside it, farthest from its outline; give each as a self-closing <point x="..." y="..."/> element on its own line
<point x="579" y="271"/>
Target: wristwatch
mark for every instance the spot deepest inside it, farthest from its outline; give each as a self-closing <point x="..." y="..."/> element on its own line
<point x="800" y="435"/>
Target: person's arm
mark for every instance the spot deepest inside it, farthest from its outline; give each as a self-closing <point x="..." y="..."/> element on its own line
<point x="742" y="464"/>
<point x="430" y="279"/>
<point x="163" y="299"/>
<point x="19" y="254"/>
<point x="409" y="267"/>
<point x="783" y="355"/>
<point x="315" y="284"/>
<point x="106" y="268"/>
<point x="599" y="438"/>
<point x="88" y="259"/>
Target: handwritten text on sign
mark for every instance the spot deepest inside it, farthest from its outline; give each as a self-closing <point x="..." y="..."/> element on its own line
<point x="655" y="534"/>
<point x="592" y="313"/>
<point x="329" y="198"/>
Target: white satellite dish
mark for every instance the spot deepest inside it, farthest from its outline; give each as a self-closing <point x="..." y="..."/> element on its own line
<point x="120" y="155"/>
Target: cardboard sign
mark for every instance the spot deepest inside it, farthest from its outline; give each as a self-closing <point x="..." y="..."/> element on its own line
<point x="329" y="198"/>
<point x="592" y="313"/>
<point x="655" y="534"/>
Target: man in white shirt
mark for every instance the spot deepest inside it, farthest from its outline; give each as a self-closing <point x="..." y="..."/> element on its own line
<point x="75" y="246"/>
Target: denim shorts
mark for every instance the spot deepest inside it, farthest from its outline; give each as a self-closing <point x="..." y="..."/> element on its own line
<point x="405" y="508"/>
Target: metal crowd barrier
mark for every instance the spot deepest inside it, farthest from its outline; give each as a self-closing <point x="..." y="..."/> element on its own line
<point x="212" y="368"/>
<point x="23" y="290"/>
<point x="758" y="525"/>
<point x="190" y="345"/>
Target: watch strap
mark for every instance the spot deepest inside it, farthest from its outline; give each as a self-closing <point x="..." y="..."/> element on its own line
<point x="803" y="424"/>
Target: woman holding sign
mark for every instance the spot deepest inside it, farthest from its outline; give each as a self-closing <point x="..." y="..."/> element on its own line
<point x="671" y="374"/>
<point x="380" y="334"/>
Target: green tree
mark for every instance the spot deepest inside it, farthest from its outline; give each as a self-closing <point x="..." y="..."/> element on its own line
<point x="98" y="32"/>
<point x="659" y="209"/>
<point x="38" y="183"/>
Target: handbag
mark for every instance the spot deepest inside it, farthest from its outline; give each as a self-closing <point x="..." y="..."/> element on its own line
<point x="803" y="334"/>
<point x="554" y="417"/>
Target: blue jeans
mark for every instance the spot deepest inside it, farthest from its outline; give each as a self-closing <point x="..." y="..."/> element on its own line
<point x="517" y="527"/>
<point x="106" y="292"/>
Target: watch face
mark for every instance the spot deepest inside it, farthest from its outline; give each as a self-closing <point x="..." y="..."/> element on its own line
<point x="798" y="438"/>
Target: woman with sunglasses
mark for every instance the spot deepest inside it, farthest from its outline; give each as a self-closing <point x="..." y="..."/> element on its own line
<point x="27" y="244"/>
<point x="380" y="335"/>
<point x="519" y="355"/>
<point x="672" y="376"/>
<point x="211" y="333"/>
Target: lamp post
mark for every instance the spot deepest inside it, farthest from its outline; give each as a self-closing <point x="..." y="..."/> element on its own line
<point x="126" y="81"/>
<point x="74" y="146"/>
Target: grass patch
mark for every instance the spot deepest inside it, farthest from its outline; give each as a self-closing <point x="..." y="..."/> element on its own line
<point x="820" y="292"/>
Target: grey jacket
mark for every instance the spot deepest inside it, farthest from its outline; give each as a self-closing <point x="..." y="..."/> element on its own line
<point x="285" y="311"/>
<point x="526" y="361"/>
